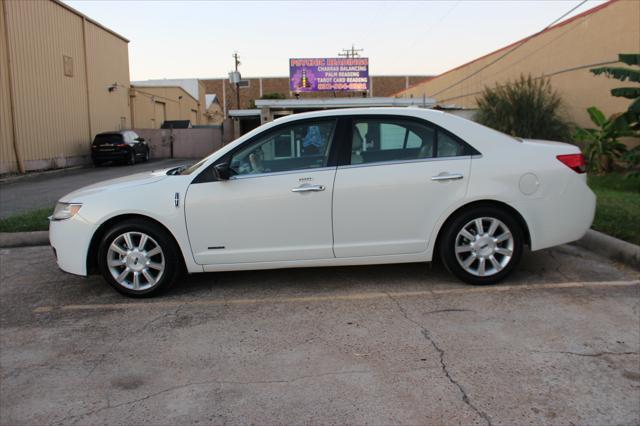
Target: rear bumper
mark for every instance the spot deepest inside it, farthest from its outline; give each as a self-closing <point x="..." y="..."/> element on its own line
<point x="110" y="156"/>
<point x="70" y="241"/>
<point x="559" y="219"/>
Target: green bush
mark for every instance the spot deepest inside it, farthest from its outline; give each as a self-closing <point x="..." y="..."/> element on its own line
<point x="528" y="108"/>
<point x="601" y="145"/>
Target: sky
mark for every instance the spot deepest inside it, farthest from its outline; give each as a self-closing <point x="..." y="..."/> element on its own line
<point x="196" y="39"/>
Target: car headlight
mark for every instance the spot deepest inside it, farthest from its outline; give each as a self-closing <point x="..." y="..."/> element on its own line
<point x="65" y="211"/>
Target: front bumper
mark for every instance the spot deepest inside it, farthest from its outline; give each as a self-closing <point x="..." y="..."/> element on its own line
<point x="70" y="240"/>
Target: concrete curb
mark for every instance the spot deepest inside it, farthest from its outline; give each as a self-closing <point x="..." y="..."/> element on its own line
<point x="611" y="248"/>
<point x="24" y="239"/>
<point x="16" y="178"/>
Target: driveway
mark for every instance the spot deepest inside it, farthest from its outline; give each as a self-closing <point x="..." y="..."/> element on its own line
<point x="397" y="344"/>
<point x="44" y="189"/>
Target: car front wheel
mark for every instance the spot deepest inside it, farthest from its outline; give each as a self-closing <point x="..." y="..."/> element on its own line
<point x="482" y="246"/>
<point x="138" y="258"/>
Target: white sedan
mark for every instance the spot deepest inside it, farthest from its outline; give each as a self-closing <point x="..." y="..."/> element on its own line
<point x="331" y="188"/>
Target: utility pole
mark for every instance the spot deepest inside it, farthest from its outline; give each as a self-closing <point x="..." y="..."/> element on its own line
<point x="351" y="53"/>
<point x="236" y="58"/>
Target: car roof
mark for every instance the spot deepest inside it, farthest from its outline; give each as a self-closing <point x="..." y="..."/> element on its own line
<point x="400" y="111"/>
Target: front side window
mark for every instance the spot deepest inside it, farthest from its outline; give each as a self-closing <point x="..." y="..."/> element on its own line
<point x="294" y="147"/>
<point x="379" y="140"/>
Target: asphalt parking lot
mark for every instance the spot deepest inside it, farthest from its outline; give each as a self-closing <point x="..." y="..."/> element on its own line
<point x="42" y="190"/>
<point x="398" y="344"/>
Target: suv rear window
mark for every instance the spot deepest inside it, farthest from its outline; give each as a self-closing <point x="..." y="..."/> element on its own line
<point x="109" y="138"/>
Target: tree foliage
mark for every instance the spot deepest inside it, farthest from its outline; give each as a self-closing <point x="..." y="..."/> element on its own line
<point x="527" y="107"/>
<point x="602" y="147"/>
<point x="632" y="115"/>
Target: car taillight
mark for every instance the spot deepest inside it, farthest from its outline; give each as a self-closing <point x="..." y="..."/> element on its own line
<point x="122" y="145"/>
<point x="575" y="162"/>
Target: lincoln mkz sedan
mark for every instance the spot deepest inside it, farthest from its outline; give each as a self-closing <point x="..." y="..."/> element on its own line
<point x="330" y="188"/>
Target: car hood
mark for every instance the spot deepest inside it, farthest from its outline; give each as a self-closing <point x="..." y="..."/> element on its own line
<point x="137" y="179"/>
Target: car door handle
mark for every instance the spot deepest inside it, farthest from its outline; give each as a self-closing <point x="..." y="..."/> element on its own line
<point x="447" y="176"/>
<point x="308" y="188"/>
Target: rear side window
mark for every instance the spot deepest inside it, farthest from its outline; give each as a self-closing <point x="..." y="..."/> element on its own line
<point x="377" y="140"/>
<point x="380" y="140"/>
<point x="108" y="138"/>
<point x="450" y="146"/>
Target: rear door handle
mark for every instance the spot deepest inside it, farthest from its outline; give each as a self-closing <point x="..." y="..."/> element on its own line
<point x="447" y="176"/>
<point x="308" y="188"/>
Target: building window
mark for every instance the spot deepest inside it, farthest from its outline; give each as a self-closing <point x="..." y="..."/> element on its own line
<point x="68" y="65"/>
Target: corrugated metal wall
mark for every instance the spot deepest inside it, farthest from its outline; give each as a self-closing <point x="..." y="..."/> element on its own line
<point x="51" y="104"/>
<point x="50" y="108"/>
<point x="7" y="155"/>
<point x="107" y="63"/>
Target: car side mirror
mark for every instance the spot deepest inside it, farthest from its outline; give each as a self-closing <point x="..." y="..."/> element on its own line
<point x="222" y="171"/>
<point x="140" y="139"/>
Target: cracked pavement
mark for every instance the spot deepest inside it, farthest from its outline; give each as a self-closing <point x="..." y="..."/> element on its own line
<point x="558" y="343"/>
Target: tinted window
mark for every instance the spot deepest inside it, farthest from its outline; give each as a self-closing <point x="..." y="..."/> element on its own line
<point x="450" y="146"/>
<point x="377" y="140"/>
<point x="108" y="138"/>
<point x="294" y="147"/>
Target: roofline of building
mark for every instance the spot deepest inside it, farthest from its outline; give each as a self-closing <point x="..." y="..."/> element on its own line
<point x="139" y="87"/>
<point x="430" y="76"/>
<point x="534" y="35"/>
<point x="94" y="22"/>
<point x="343" y="102"/>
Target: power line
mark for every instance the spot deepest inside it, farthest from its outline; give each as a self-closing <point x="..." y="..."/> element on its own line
<point x="509" y="51"/>
<point x="562" y="71"/>
<point x="436" y="24"/>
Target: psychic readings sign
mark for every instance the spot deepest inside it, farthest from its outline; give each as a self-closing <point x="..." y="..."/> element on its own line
<point x="329" y="74"/>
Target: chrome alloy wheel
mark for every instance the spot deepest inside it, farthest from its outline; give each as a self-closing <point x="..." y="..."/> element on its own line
<point x="135" y="261"/>
<point x="484" y="246"/>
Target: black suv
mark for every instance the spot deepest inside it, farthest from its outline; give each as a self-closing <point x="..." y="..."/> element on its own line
<point x="122" y="146"/>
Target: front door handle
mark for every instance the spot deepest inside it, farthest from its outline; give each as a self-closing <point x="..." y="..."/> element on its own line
<point x="447" y="176"/>
<point x="308" y="188"/>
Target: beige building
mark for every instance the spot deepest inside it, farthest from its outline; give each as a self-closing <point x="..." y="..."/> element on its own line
<point x="63" y="78"/>
<point x="153" y="105"/>
<point x="154" y="101"/>
<point x="564" y="53"/>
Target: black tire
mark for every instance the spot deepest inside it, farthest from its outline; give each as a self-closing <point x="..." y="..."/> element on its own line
<point x="173" y="265"/>
<point x="97" y="163"/>
<point x="146" y="155"/>
<point x="449" y="238"/>
<point x="132" y="158"/>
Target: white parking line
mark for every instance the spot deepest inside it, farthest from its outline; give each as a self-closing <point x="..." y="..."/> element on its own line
<point x="338" y="297"/>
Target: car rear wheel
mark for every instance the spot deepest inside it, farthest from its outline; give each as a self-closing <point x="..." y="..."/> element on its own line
<point x="482" y="246"/>
<point x="138" y="258"/>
